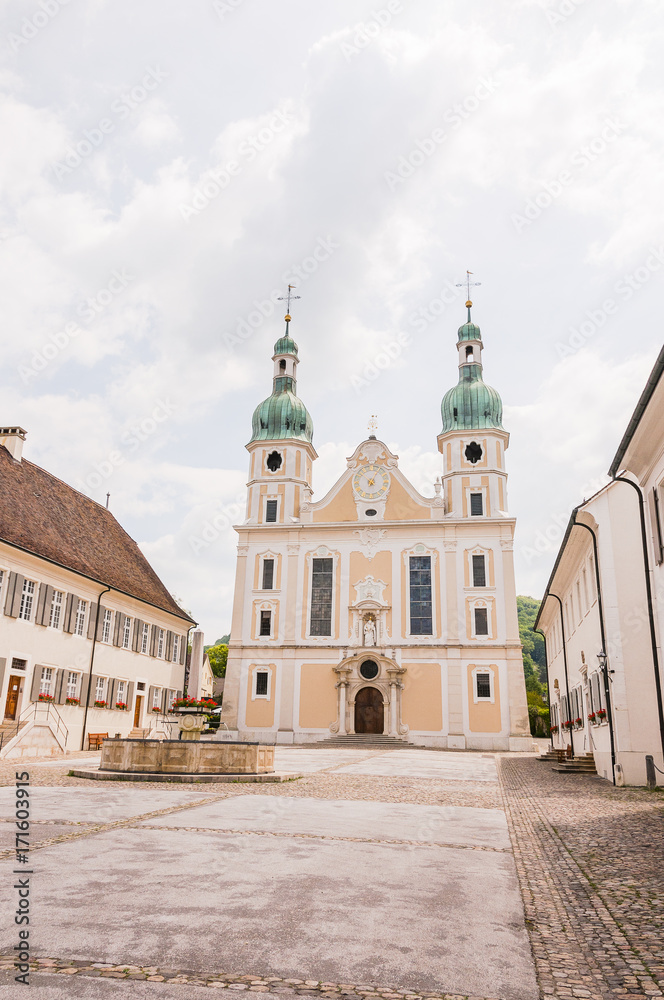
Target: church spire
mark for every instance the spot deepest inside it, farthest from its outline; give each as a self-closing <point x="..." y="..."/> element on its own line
<point x="471" y="404"/>
<point x="283" y="416"/>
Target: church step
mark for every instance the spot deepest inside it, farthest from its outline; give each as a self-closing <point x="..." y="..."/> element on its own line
<point x="364" y="740"/>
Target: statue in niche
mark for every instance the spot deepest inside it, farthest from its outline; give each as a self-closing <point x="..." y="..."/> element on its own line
<point x="369" y="632"/>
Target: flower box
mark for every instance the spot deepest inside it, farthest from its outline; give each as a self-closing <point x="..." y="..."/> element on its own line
<point x="122" y="705"/>
<point x="45" y="697"/>
<point x="568" y="725"/>
<point x="201" y="705"/>
<point x="553" y="729"/>
<point x="156" y="709"/>
<point x="100" y="704"/>
<point x="601" y="714"/>
<point x="72" y="701"/>
<point x="578" y="723"/>
<point x="592" y="718"/>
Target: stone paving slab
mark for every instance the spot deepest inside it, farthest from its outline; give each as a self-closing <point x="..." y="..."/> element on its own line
<point x="450" y="765"/>
<point x="340" y="818"/>
<point x="430" y="918"/>
<point x="38" y="832"/>
<point x="311" y="760"/>
<point x="95" y="805"/>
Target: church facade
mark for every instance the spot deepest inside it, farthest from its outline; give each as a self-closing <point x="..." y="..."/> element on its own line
<point x="376" y="609"/>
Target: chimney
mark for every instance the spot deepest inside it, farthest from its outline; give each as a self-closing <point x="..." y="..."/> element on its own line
<point x="12" y="438"/>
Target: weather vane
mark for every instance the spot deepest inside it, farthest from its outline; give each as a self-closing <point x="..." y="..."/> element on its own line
<point x="469" y="284"/>
<point x="287" y="299"/>
<point x="373" y="424"/>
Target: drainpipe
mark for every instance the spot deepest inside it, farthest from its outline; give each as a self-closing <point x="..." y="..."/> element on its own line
<point x="651" y="616"/>
<point x="569" y="702"/>
<point x="92" y="660"/>
<point x="602" y="630"/>
<point x="548" y="686"/>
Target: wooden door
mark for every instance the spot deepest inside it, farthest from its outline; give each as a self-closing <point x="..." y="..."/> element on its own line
<point x="369" y="714"/>
<point x="137" y="711"/>
<point x="12" y="697"/>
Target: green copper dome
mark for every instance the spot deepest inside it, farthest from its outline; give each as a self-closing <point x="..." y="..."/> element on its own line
<point x="283" y="416"/>
<point x="469" y="331"/>
<point x="286" y="345"/>
<point x="471" y="404"/>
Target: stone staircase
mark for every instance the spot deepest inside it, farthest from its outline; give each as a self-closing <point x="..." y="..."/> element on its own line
<point x="365" y="741"/>
<point x="138" y="734"/>
<point x="9" y="729"/>
<point x="584" y="764"/>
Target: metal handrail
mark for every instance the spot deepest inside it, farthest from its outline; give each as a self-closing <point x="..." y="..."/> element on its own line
<point x="31" y="712"/>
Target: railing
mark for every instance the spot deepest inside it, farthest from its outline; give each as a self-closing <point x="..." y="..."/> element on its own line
<point x="31" y="713"/>
<point x="161" y="721"/>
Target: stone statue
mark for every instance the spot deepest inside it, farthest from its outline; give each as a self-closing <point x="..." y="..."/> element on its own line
<point x="369" y="632"/>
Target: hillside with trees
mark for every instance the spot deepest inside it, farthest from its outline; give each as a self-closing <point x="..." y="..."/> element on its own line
<point x="534" y="665"/>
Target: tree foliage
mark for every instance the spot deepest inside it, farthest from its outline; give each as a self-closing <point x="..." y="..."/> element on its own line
<point x="218" y="655"/>
<point x="534" y="666"/>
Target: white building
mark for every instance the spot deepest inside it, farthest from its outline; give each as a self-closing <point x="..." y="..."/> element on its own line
<point x="90" y="639"/>
<point x="376" y="609"/>
<point x="603" y="609"/>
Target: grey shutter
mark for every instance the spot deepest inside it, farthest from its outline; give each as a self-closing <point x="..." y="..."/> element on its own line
<point x="112" y="687"/>
<point x="164" y="701"/>
<point x="43" y="603"/>
<point x="117" y="630"/>
<point x="153" y="640"/>
<point x="136" y="641"/>
<point x="169" y="646"/>
<point x="3" y="665"/>
<point x="14" y="591"/>
<point x="151" y="691"/>
<point x="129" y="696"/>
<point x="85" y="679"/>
<point x="36" y="681"/>
<point x="183" y="647"/>
<point x="100" y="623"/>
<point x="60" y="687"/>
<point x="91" y="620"/>
<point x="70" y="613"/>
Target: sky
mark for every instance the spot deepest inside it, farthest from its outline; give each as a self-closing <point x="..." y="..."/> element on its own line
<point x="167" y="169"/>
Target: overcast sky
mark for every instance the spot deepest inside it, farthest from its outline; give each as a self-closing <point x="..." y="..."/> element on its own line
<point x="166" y="167"/>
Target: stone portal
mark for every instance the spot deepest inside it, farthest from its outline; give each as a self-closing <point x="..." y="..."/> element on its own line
<point x="369" y="713"/>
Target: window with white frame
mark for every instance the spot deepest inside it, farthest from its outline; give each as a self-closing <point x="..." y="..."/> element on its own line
<point x="596" y="692"/>
<point x="160" y="644"/>
<point x="106" y="625"/>
<point x="145" y="637"/>
<point x="72" y="684"/>
<point x="79" y="625"/>
<point x="481" y="621"/>
<point x="156" y="698"/>
<point x="46" y="682"/>
<point x="100" y="688"/>
<point x="483" y="685"/>
<point x="126" y="632"/>
<point x="322" y="578"/>
<point x="271" y="511"/>
<point x="175" y="655"/>
<point x="261" y="685"/>
<point x="265" y="627"/>
<point x="479" y="570"/>
<point x="56" y="609"/>
<point x="172" y="695"/>
<point x="476" y="504"/>
<point x="268" y="574"/>
<point x="27" y="600"/>
<point x="419" y="579"/>
<point x="121" y="693"/>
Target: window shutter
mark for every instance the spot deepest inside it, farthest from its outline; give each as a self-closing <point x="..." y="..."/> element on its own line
<point x="36" y="681"/>
<point x="60" y="687"/>
<point x="85" y="678"/>
<point x="178" y="695"/>
<point x="3" y="665"/>
<point x="42" y="603"/>
<point x="112" y="690"/>
<point x="164" y="701"/>
<point x="70" y="613"/>
<point x="91" y="621"/>
<point x="14" y="591"/>
<point x="118" y="625"/>
<point x="154" y="639"/>
<point x="136" y="640"/>
<point x="169" y="646"/>
<point x="151" y="691"/>
<point x="100" y="623"/>
<point x="129" y="696"/>
<point x="183" y="648"/>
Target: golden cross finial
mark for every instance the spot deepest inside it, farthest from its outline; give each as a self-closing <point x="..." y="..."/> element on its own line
<point x="287" y="299"/>
<point x="373" y="424"/>
<point x="469" y="284"/>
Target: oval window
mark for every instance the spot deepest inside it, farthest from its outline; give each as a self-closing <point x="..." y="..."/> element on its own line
<point x="369" y="670"/>
<point x="371" y="512"/>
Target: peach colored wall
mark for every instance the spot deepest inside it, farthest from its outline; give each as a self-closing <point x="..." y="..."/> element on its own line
<point x="484" y="717"/>
<point x="401" y="507"/>
<point x="422" y="698"/>
<point x="380" y="567"/>
<point x="260" y="711"/>
<point x="340" y="508"/>
<point x="318" y="696"/>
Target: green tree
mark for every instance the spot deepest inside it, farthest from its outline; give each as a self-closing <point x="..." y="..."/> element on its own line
<point x="534" y="666"/>
<point x="218" y="655"/>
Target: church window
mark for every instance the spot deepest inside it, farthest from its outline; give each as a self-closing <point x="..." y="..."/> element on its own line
<point x="273" y="461"/>
<point x="268" y="574"/>
<point x="266" y="623"/>
<point x="270" y="510"/>
<point x="476" y="504"/>
<point x="483" y="685"/>
<point x="479" y="571"/>
<point x="473" y="452"/>
<point x="421" y="618"/>
<point x="282" y="365"/>
<point x="371" y="512"/>
<point x="369" y="670"/>
<point x="321" y="596"/>
<point x="261" y="683"/>
<point x="481" y="621"/>
<point x="470" y="357"/>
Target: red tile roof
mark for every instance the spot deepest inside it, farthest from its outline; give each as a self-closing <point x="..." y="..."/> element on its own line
<point x="42" y="515"/>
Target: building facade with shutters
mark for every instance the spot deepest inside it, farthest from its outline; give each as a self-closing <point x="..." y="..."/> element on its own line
<point x="89" y="636"/>
<point x="603" y="609"/>
<point x="377" y="610"/>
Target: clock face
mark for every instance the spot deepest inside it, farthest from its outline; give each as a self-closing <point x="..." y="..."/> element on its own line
<point x="371" y="482"/>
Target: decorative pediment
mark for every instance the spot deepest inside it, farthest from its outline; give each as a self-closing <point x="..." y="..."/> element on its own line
<point x="370" y="539"/>
<point x="372" y="451"/>
<point x="370" y="590"/>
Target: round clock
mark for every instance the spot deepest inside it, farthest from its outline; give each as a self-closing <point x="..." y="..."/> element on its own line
<point x="371" y="482"/>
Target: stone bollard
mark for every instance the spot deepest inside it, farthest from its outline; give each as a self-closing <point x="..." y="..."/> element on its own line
<point x="651" y="777"/>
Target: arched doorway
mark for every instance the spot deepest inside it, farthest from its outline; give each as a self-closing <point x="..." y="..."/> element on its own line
<point x="369" y="711"/>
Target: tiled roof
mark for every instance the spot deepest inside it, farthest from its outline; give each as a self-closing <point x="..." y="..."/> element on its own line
<point x="41" y="514"/>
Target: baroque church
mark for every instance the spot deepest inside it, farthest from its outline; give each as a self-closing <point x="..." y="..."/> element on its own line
<point x="376" y="609"/>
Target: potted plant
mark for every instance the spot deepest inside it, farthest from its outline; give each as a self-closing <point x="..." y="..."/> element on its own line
<point x="196" y="705"/>
<point x="578" y="722"/>
<point x="601" y="714"/>
<point x="155" y="709"/>
<point x="122" y="705"/>
<point x="568" y="724"/>
<point x="72" y="701"/>
<point x="553" y="729"/>
<point x="45" y="697"/>
<point x="100" y="704"/>
<point x="592" y="718"/>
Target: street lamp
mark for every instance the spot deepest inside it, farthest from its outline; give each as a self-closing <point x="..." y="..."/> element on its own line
<point x="603" y="658"/>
